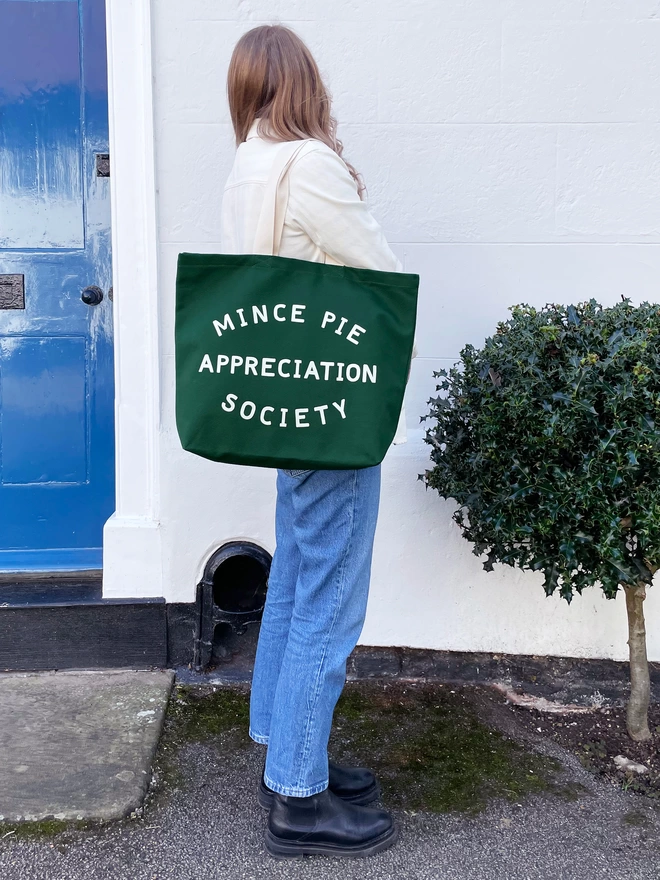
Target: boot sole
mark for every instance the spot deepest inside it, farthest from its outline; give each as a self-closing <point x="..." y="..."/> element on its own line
<point x="288" y="849"/>
<point x="368" y="796"/>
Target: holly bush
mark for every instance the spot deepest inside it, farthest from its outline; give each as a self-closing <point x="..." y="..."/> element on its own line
<point x="548" y="438"/>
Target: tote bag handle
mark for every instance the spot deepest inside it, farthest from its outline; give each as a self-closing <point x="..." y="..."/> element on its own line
<point x="276" y="196"/>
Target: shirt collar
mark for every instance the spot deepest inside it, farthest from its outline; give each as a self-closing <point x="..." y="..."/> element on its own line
<point x="252" y="133"/>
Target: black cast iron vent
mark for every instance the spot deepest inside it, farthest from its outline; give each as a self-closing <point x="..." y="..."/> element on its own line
<point x="232" y="593"/>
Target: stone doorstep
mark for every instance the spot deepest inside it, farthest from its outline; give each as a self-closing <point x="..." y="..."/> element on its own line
<point x="78" y="745"/>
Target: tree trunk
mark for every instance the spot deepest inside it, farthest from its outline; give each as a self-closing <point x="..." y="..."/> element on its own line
<point x="637" y="717"/>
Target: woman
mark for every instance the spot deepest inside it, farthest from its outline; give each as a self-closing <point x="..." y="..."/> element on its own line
<point x="325" y="520"/>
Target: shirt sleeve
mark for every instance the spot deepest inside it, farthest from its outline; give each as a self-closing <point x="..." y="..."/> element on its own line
<point x="324" y="202"/>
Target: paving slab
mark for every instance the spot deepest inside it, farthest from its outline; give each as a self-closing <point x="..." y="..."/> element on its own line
<point x="78" y="745"/>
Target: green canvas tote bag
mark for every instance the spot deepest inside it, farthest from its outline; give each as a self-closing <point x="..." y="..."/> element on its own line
<point x="288" y="363"/>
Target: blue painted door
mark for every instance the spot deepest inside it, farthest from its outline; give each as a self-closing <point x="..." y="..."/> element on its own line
<point x="56" y="374"/>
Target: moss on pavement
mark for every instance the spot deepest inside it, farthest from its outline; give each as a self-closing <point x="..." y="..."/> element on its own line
<point x="424" y="742"/>
<point x="430" y="750"/>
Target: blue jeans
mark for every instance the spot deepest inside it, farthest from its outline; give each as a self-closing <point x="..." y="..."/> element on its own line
<point x="315" y="607"/>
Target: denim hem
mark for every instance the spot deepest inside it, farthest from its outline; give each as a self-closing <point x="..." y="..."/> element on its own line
<point x="258" y="738"/>
<point x="288" y="791"/>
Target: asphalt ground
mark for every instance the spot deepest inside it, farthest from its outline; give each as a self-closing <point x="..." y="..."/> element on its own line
<point x="204" y="823"/>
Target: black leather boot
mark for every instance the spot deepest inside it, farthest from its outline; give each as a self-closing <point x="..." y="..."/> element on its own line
<point x="355" y="785"/>
<point x="324" y="824"/>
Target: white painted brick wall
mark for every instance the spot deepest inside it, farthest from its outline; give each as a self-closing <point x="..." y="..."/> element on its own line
<point x="511" y="149"/>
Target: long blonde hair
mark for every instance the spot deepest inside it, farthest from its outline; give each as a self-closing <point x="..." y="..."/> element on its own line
<point x="273" y="76"/>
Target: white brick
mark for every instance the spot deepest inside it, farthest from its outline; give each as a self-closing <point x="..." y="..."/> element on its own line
<point x="608" y="182"/>
<point x="192" y="164"/>
<point x="318" y="10"/>
<point x="460" y="296"/>
<point x="447" y="72"/>
<point x="581" y="71"/>
<point x="194" y="59"/>
<point x="458" y="182"/>
<point x="621" y="10"/>
<point x="576" y="10"/>
<point x="341" y="52"/>
<point x="513" y="10"/>
<point x="466" y="289"/>
<point x="253" y="12"/>
<point x="191" y="76"/>
<point x="500" y="10"/>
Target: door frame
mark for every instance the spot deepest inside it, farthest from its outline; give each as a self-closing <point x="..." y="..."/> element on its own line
<point x="132" y="536"/>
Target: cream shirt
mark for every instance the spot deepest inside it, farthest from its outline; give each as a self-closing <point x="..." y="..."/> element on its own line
<point x="324" y="216"/>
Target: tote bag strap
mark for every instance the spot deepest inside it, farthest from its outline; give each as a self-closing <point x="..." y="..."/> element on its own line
<point x="276" y="196"/>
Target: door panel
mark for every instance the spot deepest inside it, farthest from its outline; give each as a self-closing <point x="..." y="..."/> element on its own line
<point x="43" y="381"/>
<point x="41" y="199"/>
<point x="56" y="371"/>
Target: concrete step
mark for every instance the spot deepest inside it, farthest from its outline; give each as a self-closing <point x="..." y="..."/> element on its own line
<point x="78" y="745"/>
